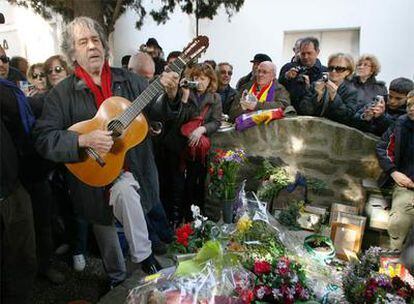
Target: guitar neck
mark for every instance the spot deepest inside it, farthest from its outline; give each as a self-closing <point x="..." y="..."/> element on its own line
<point x="151" y="92"/>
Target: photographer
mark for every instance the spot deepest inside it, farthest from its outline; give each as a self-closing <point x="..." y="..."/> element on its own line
<point x="376" y="117"/>
<point x="299" y="75"/>
<point x="198" y="117"/>
<point x="264" y="94"/>
<point x="333" y="97"/>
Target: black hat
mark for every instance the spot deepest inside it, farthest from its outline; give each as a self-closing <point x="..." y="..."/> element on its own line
<point x="153" y="42"/>
<point x="260" y="58"/>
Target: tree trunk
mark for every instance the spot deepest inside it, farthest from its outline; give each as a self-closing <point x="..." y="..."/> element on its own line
<point x="89" y="8"/>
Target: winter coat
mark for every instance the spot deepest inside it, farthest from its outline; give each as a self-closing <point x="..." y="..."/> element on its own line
<point x="71" y="102"/>
<point x="395" y="150"/>
<point x="228" y="97"/>
<point x="368" y="90"/>
<point x="281" y="100"/>
<point x="296" y="87"/>
<point x="342" y="109"/>
<point x="173" y="140"/>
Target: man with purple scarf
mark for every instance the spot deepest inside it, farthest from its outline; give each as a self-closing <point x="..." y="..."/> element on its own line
<point x="265" y="93"/>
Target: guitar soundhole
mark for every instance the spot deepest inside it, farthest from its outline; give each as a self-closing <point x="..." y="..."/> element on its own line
<point x="116" y="127"/>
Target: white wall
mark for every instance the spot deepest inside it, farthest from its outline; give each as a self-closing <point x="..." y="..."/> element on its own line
<point x="28" y="34"/>
<point x="386" y="29"/>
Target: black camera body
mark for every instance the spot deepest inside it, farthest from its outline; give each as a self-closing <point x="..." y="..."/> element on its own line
<point x="302" y="70"/>
<point x="325" y="76"/>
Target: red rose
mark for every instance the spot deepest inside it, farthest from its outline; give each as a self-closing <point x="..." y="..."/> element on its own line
<point x="211" y="170"/>
<point x="220" y="173"/>
<point x="262" y="267"/>
<point x="247" y="296"/>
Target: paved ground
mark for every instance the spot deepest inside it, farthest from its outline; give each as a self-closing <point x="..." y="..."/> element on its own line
<point x="88" y="285"/>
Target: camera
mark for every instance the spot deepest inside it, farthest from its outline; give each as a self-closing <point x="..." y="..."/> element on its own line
<point x="377" y="99"/>
<point x="185" y="83"/>
<point x="302" y="70"/>
<point x="325" y="76"/>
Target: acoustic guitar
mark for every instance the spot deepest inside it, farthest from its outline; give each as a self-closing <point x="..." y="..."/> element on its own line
<point x="128" y="125"/>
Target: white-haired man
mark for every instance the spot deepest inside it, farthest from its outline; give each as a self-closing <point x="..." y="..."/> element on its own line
<point x="78" y="98"/>
<point x="267" y="91"/>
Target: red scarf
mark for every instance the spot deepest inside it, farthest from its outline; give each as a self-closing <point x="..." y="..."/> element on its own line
<point x="100" y="94"/>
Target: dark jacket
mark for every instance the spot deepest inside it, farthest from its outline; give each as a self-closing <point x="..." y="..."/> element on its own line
<point x="368" y="90"/>
<point x="245" y="80"/>
<point x="395" y="150"/>
<point x="228" y="97"/>
<point x="380" y="124"/>
<point x="281" y="100"/>
<point x="71" y="102"/>
<point x="173" y="141"/>
<point x="296" y="87"/>
<point x="342" y="109"/>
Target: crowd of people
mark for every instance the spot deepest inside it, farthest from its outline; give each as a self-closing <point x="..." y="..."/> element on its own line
<point x="165" y="174"/>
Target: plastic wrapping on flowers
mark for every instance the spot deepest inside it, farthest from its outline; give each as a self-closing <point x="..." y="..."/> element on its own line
<point x="324" y="282"/>
<point x="208" y="278"/>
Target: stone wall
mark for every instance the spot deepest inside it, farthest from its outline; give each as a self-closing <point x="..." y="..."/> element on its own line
<point x="339" y="155"/>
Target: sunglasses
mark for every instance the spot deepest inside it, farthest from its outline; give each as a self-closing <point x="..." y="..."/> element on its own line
<point x="57" y="69"/>
<point x="338" y="69"/>
<point x="38" y="75"/>
<point x="4" y="58"/>
<point x="226" y="72"/>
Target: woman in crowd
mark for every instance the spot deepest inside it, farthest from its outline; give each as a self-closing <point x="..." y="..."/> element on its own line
<point x="333" y="96"/>
<point x="37" y="77"/>
<point x="57" y="69"/>
<point x="364" y="79"/>
<point x="188" y="160"/>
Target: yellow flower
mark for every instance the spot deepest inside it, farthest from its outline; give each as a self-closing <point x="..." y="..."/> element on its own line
<point x="244" y="224"/>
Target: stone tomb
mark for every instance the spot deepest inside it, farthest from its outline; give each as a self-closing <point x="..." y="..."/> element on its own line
<point x="337" y="154"/>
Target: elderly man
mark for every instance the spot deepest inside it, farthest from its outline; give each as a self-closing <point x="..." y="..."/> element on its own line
<point x="250" y="78"/>
<point x="8" y="72"/>
<point x="76" y="99"/>
<point x="227" y="93"/>
<point x="142" y="65"/>
<point x="298" y="75"/>
<point x="265" y="93"/>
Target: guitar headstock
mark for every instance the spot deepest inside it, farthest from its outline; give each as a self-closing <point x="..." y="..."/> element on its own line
<point x="195" y="48"/>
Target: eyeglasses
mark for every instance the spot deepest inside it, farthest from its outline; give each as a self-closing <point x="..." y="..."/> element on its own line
<point x="57" y="69"/>
<point x="38" y="75"/>
<point x="338" y="69"/>
<point x="223" y="72"/>
<point x="4" y="58"/>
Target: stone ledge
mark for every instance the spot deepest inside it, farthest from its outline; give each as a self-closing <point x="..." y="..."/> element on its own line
<point x="315" y="146"/>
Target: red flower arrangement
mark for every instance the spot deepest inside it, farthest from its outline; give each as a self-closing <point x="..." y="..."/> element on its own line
<point x="183" y="233"/>
<point x="283" y="281"/>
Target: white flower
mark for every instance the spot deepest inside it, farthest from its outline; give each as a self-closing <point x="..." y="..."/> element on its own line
<point x="197" y="223"/>
<point x="261" y="292"/>
<point x="195" y="210"/>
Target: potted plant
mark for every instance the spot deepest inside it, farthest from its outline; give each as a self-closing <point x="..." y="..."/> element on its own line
<point x="223" y="170"/>
<point x="321" y="247"/>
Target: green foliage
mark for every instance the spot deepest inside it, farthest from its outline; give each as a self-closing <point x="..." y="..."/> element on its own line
<point x="274" y="180"/>
<point x="260" y="241"/>
<point x="112" y="9"/>
<point x="290" y="216"/>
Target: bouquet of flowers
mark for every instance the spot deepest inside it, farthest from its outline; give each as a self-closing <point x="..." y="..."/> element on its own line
<point x="283" y="281"/>
<point x="190" y="237"/>
<point x="362" y="282"/>
<point x="223" y="170"/>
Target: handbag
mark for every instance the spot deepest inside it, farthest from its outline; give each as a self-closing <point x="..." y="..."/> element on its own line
<point x="200" y="151"/>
